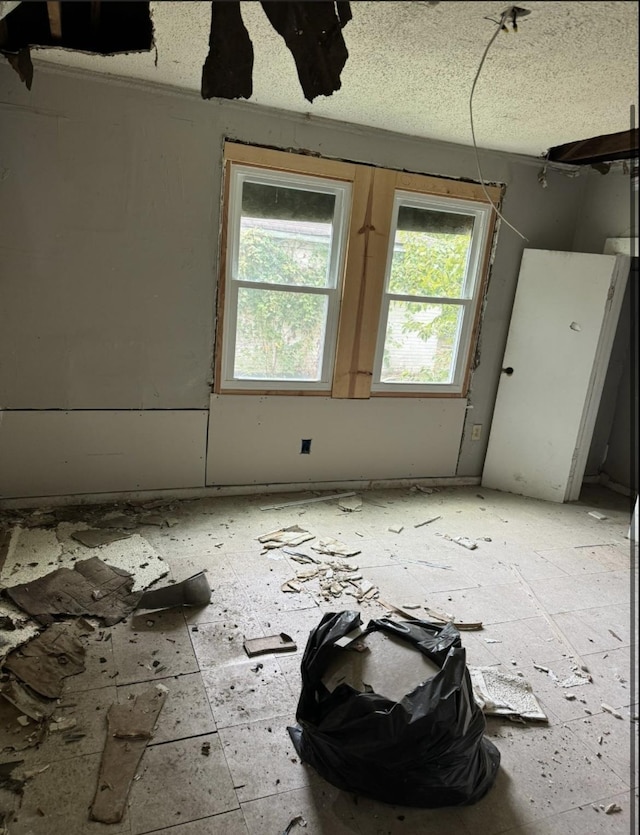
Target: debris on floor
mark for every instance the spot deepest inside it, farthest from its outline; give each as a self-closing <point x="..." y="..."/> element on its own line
<point x="612" y="809"/>
<point x="333" y="547"/>
<point x="293" y="535"/>
<point x="350" y="505"/>
<point x="272" y="643"/>
<point x="599" y="516"/>
<point x="28" y="704"/>
<point x="205" y="749"/>
<point x="129" y="729"/>
<point x="94" y="538"/>
<point x="194" y="591"/>
<point x="312" y="500"/>
<point x="500" y="694"/>
<point x="297" y="821"/>
<point x="427" y="521"/>
<point x="335" y="576"/>
<point x="91" y="588"/>
<point x="396" y="528"/>
<point x="435" y="614"/>
<point x="608" y="709"/>
<point x="44" y="662"/>
<point x="467" y="543"/>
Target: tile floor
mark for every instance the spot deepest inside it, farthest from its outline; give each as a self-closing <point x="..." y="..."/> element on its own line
<point x="554" y="778"/>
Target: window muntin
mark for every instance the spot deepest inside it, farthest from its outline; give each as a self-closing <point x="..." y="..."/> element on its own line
<point x="285" y="255"/>
<point x="433" y="274"/>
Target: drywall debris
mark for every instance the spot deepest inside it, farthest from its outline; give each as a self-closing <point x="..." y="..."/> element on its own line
<point x="576" y="680"/>
<point x="298" y="556"/>
<point x="24" y="721"/>
<point x="291" y="586"/>
<point x="396" y="528"/>
<point x="272" y="643"/>
<point x="47" y="660"/>
<point x="445" y="617"/>
<point x="28" y="704"/>
<point x="23" y="629"/>
<point x="608" y="709"/>
<point x="116" y="521"/>
<point x="95" y="537"/>
<point x="71" y="592"/>
<point x="293" y="535"/>
<point x="570" y="697"/>
<point x="612" y="809"/>
<point x="205" y="749"/>
<point x="297" y="821"/>
<point x="333" y="547"/>
<point x="420" y="489"/>
<point x="194" y="591"/>
<point x="427" y="521"/>
<point x="350" y="637"/>
<point x="311" y="500"/>
<point x="500" y="694"/>
<point x="599" y="516"/>
<point x="492" y="641"/>
<point x="129" y="729"/>
<point x="61" y="724"/>
<point x="351" y="505"/>
<point x="464" y="541"/>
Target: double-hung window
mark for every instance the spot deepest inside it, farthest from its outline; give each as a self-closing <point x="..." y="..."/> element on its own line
<point x="427" y="313"/>
<point x="285" y="259"/>
<point x="347" y="280"/>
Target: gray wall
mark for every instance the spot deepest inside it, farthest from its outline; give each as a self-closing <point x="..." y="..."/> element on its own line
<point x="109" y="239"/>
<point x="606" y="213"/>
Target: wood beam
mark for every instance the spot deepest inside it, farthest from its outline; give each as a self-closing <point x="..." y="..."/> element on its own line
<point x="607" y="148"/>
<point x="55" y="20"/>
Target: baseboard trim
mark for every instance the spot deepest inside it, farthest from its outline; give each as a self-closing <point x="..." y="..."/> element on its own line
<point x="232" y="490"/>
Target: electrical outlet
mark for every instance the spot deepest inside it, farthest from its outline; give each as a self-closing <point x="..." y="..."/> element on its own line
<point x="476" y="431"/>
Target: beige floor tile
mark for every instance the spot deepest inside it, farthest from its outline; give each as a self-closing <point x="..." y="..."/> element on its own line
<point x="597" y="630"/>
<point x="220" y="643"/>
<point x="248" y="691"/>
<point x="543" y="772"/>
<point x="57" y="801"/>
<point x="186" y="711"/>
<point x="589" y="818"/>
<point x="488" y="604"/>
<point x="228" y="823"/>
<point x="179" y="784"/>
<point x="152" y="645"/>
<point x="262" y="758"/>
<point x="592" y="560"/>
<point x="584" y="591"/>
<point x="374" y="818"/>
<point x="609" y="739"/>
<point x="326" y="811"/>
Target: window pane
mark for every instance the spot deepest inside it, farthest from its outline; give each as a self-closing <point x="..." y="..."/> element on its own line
<point x="420" y="343"/>
<point x="279" y="335"/>
<point x="430" y="253"/>
<point x="285" y="235"/>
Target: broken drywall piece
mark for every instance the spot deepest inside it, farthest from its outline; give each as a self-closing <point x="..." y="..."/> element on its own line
<point x="228" y="68"/>
<point x="500" y="694"/>
<point x="351" y="505"/>
<point x="608" y="709"/>
<point x="24" y="629"/>
<point x="297" y="821"/>
<point x="313" y="35"/>
<point x="427" y="521"/>
<point x="293" y="535"/>
<point x="464" y="541"/>
<point x="272" y="643"/>
<point x="194" y="591"/>
<point x="47" y="660"/>
<point x="291" y="586"/>
<point x="599" y="516"/>
<point x="28" y="704"/>
<point x="311" y="500"/>
<point x="91" y="588"/>
<point x="129" y="729"/>
<point x="445" y="617"/>
<point x="137" y="557"/>
<point x="334" y="547"/>
<point x="95" y="537"/>
<point x="396" y="528"/>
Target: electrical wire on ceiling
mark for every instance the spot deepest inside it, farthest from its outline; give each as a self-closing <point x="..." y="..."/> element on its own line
<point x="509" y="15"/>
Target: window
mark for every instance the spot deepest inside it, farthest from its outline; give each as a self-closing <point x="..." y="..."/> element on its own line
<point x="347" y="280"/>
<point x="285" y="260"/>
<point x="433" y="267"/>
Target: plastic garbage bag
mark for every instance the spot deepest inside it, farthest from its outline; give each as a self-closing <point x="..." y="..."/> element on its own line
<point x="425" y="749"/>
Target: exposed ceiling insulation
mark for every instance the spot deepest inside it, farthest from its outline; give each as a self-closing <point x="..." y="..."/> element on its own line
<point x="569" y="73"/>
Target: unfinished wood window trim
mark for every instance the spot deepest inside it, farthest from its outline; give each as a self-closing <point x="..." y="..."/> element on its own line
<point x="368" y="235"/>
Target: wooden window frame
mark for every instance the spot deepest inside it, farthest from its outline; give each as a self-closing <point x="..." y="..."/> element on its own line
<point x="368" y="238"/>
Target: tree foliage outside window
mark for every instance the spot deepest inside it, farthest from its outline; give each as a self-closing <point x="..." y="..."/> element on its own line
<point x="431" y="265"/>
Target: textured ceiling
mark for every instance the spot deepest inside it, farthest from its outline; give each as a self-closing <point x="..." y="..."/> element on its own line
<point x="569" y="73"/>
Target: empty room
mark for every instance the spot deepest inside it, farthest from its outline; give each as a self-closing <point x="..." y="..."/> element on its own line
<point x="318" y="418"/>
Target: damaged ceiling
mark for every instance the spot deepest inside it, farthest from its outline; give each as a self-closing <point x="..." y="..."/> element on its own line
<point x="569" y="73"/>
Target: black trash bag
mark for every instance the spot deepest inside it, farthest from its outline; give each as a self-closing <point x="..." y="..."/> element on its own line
<point x="426" y="750"/>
